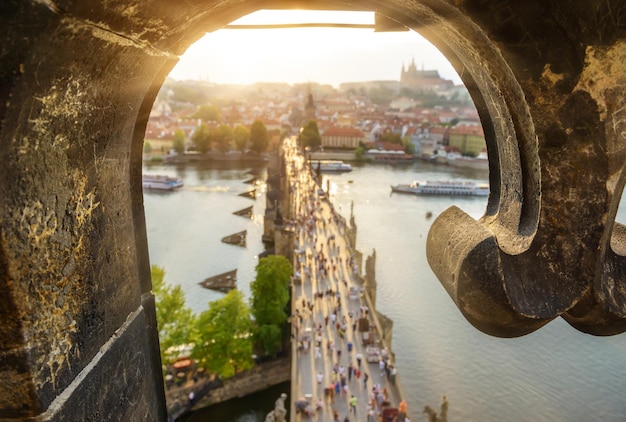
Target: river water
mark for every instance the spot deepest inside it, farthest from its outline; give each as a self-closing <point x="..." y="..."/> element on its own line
<point x="554" y="374"/>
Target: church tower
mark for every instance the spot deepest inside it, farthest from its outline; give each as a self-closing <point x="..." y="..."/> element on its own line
<point x="310" y="109"/>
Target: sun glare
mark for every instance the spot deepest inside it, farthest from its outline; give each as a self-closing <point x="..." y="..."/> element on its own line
<point x="295" y="55"/>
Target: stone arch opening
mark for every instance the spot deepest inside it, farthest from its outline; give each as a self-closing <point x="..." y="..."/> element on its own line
<point x="85" y="107"/>
<point x="76" y="85"/>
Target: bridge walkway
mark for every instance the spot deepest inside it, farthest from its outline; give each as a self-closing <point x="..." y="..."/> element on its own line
<point x="331" y="318"/>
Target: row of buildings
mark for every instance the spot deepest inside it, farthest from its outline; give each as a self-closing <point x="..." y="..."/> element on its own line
<point x="346" y="117"/>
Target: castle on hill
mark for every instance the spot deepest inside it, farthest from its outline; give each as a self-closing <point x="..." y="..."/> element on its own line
<point x="413" y="78"/>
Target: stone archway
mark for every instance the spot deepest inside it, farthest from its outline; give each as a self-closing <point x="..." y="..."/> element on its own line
<point x="77" y="81"/>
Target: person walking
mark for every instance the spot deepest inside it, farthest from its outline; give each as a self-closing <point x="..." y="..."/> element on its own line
<point x="402" y="410"/>
<point x="380" y="398"/>
<point x="353" y="404"/>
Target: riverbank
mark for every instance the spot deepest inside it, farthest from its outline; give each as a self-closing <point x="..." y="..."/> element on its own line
<point x="195" y="391"/>
<point x="252" y="408"/>
<point x="259" y="378"/>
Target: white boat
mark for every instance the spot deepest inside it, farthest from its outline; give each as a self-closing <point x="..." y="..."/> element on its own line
<point x="330" y="166"/>
<point x="444" y="187"/>
<point x="162" y="182"/>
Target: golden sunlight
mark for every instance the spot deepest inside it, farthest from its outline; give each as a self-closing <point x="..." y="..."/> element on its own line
<point x="324" y="55"/>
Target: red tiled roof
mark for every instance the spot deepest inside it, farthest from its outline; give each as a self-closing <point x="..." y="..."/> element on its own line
<point x="272" y="122"/>
<point x="343" y="131"/>
<point x="467" y="130"/>
<point x="437" y="129"/>
<point x="411" y="131"/>
<point x="388" y="146"/>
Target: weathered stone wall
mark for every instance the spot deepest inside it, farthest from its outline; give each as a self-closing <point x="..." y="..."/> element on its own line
<point x="370" y="282"/>
<point x="552" y="109"/>
<point x="74" y="265"/>
<point x="259" y="378"/>
<point x="77" y="81"/>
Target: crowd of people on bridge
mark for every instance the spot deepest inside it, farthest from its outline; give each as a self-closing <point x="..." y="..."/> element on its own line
<point x="330" y="311"/>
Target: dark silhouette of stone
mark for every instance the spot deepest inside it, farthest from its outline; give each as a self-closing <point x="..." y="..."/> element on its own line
<point x="245" y="212"/>
<point x="224" y="282"/>
<point x="237" y="239"/>
<point x="250" y="194"/>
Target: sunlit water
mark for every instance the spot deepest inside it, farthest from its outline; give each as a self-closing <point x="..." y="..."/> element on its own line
<point x="554" y="374"/>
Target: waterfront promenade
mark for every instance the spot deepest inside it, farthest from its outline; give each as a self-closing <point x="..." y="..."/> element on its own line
<point x="341" y="369"/>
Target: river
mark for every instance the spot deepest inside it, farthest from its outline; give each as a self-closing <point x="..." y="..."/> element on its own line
<point x="554" y="374"/>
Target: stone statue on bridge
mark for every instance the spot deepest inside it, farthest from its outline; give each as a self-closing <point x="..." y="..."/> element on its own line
<point x="432" y="414"/>
<point x="279" y="412"/>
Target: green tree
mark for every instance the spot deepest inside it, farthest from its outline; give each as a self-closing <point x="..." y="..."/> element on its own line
<point x="394" y="138"/>
<point x="174" y="319"/>
<point x="241" y="134"/>
<point x="259" y="138"/>
<point x="224" y="341"/>
<point x="179" y="141"/>
<point x="359" y="152"/>
<point x="270" y="296"/>
<point x="223" y="137"/>
<point x="202" y="138"/>
<point x="409" y="147"/>
<point x="147" y="147"/>
<point x="310" y="135"/>
<point x="208" y="113"/>
<point x="269" y="338"/>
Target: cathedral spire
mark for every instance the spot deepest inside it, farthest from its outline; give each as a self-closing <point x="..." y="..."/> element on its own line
<point x="309" y="107"/>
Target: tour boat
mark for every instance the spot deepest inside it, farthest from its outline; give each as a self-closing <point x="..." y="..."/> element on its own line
<point x="162" y="182"/>
<point x="331" y="166"/>
<point x="444" y="187"/>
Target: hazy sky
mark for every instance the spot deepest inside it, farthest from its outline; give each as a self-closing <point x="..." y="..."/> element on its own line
<point x="324" y="55"/>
